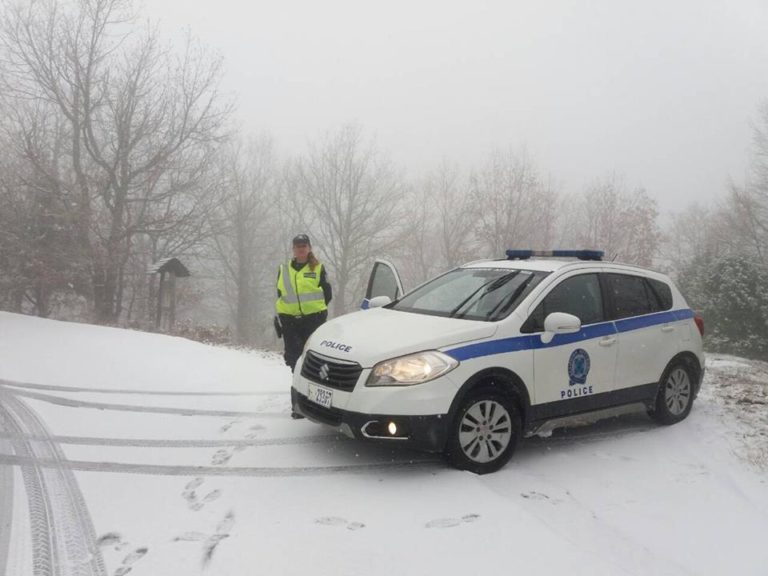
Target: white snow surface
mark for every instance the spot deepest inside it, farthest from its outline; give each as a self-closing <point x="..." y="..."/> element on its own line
<point x="181" y="481"/>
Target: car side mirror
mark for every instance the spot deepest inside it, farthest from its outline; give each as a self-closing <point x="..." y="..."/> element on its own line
<point x="559" y="323"/>
<point x="379" y="301"/>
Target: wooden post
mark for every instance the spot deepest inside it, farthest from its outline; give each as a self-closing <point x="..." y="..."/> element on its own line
<point x="159" y="316"/>
<point x="172" y="312"/>
<point x="151" y="309"/>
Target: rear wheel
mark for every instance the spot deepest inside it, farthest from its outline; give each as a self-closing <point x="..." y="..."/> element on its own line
<point x="675" y="397"/>
<point x="484" y="433"/>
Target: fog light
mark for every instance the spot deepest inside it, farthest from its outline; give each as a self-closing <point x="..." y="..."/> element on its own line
<point x="392" y="429"/>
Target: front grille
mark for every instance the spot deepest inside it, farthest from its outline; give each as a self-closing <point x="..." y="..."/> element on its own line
<point x="330" y="372"/>
<point x="330" y="416"/>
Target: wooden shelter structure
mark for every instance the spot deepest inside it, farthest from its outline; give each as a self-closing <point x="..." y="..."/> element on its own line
<point x="166" y="295"/>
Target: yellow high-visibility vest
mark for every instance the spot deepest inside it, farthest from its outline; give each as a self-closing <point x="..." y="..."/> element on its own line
<point x="300" y="291"/>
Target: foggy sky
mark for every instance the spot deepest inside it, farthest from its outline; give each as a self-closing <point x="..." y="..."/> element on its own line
<point x="662" y="92"/>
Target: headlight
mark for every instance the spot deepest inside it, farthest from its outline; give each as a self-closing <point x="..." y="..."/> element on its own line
<point x="411" y="369"/>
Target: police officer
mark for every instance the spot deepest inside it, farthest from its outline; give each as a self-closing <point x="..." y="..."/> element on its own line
<point x="303" y="294"/>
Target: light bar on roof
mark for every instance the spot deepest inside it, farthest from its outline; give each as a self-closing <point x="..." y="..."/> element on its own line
<point x="580" y="254"/>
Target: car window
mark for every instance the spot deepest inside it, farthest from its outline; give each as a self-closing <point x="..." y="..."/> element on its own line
<point x="383" y="282"/>
<point x="577" y="295"/>
<point x="630" y="296"/>
<point x="488" y="294"/>
<point x="662" y="292"/>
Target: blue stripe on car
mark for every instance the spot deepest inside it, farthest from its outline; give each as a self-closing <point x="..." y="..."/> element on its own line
<point x="639" y="322"/>
<point x="533" y="341"/>
<point x="685" y="314"/>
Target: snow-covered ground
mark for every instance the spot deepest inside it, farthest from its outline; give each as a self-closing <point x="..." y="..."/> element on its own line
<point x="123" y="452"/>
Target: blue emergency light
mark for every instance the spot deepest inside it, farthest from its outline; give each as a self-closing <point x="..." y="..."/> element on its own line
<point x="580" y="254"/>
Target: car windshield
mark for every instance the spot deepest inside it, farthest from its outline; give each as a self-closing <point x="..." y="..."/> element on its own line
<point x="487" y="294"/>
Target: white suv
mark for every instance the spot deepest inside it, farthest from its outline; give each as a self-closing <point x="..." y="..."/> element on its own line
<point x="472" y="360"/>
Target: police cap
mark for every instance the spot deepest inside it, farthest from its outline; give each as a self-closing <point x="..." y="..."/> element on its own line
<point x="301" y="239"/>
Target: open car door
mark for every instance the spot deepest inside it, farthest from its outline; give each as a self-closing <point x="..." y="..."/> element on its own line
<point x="383" y="281"/>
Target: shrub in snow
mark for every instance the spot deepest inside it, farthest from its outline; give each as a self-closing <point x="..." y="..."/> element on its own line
<point x="731" y="292"/>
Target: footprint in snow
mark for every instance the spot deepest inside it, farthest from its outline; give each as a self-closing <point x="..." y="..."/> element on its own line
<point x="211" y="496"/>
<point x="340" y="522"/>
<point x="452" y="522"/>
<point x="112" y="540"/>
<point x="109" y="539"/>
<point x="193" y="501"/>
<point x="533" y="495"/>
<point x="130" y="560"/>
<point x="221" y="457"/>
<point x="210" y="541"/>
<point x="192" y="484"/>
<point x="252" y="435"/>
<point x="228" y="425"/>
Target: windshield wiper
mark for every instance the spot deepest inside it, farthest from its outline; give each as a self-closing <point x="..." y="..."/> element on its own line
<point x="489" y="287"/>
<point x="510" y="299"/>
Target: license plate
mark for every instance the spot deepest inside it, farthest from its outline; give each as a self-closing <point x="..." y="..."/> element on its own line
<point x="321" y="396"/>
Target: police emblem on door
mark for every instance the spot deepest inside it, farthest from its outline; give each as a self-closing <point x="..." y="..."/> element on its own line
<point x="578" y="367"/>
<point x="324" y="372"/>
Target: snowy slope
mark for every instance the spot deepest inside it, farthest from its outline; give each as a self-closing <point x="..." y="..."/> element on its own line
<point x="162" y="456"/>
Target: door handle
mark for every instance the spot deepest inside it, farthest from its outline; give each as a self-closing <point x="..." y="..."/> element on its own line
<point x="607" y="341"/>
<point x="667" y="328"/>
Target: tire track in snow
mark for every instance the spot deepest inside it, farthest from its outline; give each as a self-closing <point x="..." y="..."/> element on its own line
<point x="162" y="443"/>
<point x="136" y="408"/>
<point x="262" y="472"/>
<point x="6" y="509"/>
<point x="43" y="548"/>
<point x="63" y="537"/>
<point x="53" y="388"/>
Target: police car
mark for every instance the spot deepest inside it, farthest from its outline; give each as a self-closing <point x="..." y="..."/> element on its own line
<point x="469" y="362"/>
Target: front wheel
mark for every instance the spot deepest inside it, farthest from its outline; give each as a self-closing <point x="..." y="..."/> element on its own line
<point x="484" y="433"/>
<point x="675" y="397"/>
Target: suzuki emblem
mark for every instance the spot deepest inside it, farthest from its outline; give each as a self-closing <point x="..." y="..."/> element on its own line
<point x="324" y="371"/>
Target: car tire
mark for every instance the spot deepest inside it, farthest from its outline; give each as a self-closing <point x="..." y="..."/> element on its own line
<point x="675" y="396"/>
<point x="484" y="433"/>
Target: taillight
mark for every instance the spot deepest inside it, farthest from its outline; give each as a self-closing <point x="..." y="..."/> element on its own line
<point x="699" y="319"/>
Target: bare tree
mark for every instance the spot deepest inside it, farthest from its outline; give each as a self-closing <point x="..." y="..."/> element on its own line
<point x="414" y="251"/>
<point x="514" y="206"/>
<point x="244" y="227"/>
<point x="610" y="218"/>
<point x="139" y="120"/>
<point x="746" y="213"/>
<point x="688" y="235"/>
<point x="747" y="204"/>
<point x="439" y="230"/>
<point x="456" y="216"/>
<point x="720" y="257"/>
<point x="352" y="198"/>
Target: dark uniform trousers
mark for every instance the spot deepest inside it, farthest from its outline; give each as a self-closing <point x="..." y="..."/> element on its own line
<point x="296" y="332"/>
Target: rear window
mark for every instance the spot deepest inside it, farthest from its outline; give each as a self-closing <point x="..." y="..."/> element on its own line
<point x="630" y="296"/>
<point x="662" y="292"/>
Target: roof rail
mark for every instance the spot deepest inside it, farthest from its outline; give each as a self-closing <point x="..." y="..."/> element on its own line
<point x="580" y="254"/>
